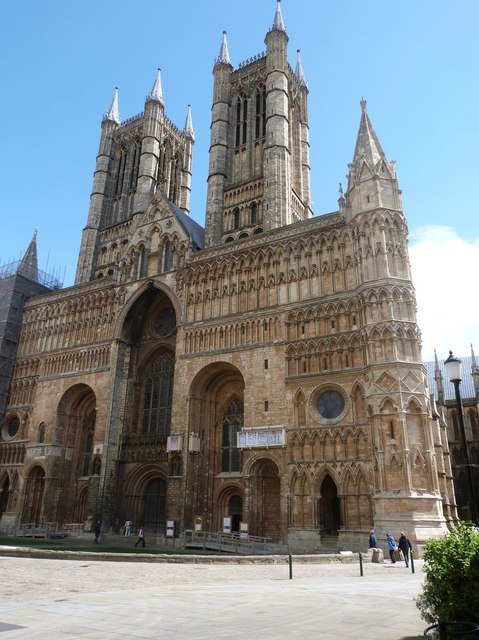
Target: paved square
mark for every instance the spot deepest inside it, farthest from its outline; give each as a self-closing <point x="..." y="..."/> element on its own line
<point x="104" y="600"/>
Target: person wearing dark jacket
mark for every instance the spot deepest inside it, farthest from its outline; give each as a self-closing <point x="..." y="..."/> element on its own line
<point x="373" y="541"/>
<point x="405" y="545"/>
<point x="97" y="531"/>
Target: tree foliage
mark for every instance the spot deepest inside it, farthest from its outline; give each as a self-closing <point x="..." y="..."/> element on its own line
<point x="451" y="584"/>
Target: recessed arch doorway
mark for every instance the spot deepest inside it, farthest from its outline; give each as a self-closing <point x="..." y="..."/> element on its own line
<point x="329" y="511"/>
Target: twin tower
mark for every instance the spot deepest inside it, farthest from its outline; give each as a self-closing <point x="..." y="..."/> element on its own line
<point x="259" y="166"/>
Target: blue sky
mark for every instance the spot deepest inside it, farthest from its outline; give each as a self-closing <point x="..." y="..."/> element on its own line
<point x="415" y="61"/>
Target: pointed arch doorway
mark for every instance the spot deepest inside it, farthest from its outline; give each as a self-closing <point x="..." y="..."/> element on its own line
<point x="154" y="518"/>
<point x="266" y="499"/>
<point x="329" y="511"/>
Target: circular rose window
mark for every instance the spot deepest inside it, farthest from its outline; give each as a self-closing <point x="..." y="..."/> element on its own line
<point x="13" y="425"/>
<point x="330" y="405"/>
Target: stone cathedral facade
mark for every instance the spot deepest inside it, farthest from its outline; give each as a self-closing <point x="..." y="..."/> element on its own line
<point x="266" y="368"/>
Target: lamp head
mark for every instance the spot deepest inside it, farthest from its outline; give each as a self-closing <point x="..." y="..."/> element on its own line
<point x="453" y="368"/>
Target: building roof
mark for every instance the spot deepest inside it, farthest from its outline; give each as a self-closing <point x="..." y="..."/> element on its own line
<point x="467" y="383"/>
<point x="192" y="228"/>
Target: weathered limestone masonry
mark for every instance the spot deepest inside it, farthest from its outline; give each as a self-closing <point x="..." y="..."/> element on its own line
<point x="261" y="374"/>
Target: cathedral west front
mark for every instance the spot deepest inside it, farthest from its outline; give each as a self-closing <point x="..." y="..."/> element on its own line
<point x="265" y="369"/>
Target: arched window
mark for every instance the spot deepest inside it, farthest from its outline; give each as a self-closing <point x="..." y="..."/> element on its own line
<point x="135" y="166"/>
<point x="158" y="393"/>
<point x="167" y="256"/>
<point x="236" y="219"/>
<point x="231" y="425"/>
<point x="143" y="263"/>
<point x="254" y="213"/>
<point x="260" y="113"/>
<point x="120" y="172"/>
<point x="41" y="433"/>
<point x="241" y="120"/>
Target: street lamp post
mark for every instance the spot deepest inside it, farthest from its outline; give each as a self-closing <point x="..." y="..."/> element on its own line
<point x="453" y="369"/>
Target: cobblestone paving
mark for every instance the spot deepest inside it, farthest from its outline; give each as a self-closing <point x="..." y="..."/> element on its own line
<point x="59" y="599"/>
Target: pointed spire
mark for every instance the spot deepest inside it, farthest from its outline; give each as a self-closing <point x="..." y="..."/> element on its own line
<point x="29" y="263"/>
<point x="299" y="70"/>
<point x="278" y="23"/>
<point x="113" y="114"/>
<point x="224" y="56"/>
<point x="473" y="359"/>
<point x="189" y="131"/>
<point x="437" y="370"/>
<point x="156" y="93"/>
<point x="438" y="379"/>
<point x="368" y="146"/>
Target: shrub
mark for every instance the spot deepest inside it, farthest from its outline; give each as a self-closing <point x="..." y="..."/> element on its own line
<point x="451" y="584"/>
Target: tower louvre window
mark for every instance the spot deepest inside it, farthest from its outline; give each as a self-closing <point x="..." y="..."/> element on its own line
<point x="120" y="174"/>
<point x="260" y="113"/>
<point x="254" y="213"/>
<point x="135" y="166"/>
<point x="236" y="219"/>
<point x="241" y="124"/>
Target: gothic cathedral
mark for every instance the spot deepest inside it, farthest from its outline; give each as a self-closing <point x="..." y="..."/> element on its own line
<point x="265" y="370"/>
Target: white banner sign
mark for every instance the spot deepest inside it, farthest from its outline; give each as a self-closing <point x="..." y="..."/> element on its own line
<point x="262" y="437"/>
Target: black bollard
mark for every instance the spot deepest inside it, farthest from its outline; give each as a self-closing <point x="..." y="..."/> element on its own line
<point x="290" y="567"/>
<point x="412" y="562"/>
<point x="361" y="573"/>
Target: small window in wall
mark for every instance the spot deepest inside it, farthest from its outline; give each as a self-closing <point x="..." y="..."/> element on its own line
<point x="266" y="364"/>
<point x="41" y="433"/>
<point x="254" y="213"/>
<point x="236" y="219"/>
<point x="168" y="257"/>
<point x="266" y="405"/>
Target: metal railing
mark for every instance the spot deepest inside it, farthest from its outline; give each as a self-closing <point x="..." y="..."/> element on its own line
<point x="228" y="542"/>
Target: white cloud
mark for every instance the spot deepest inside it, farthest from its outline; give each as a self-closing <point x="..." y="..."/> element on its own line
<point x="445" y="270"/>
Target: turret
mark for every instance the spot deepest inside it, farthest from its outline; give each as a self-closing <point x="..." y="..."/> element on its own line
<point x="277" y="210"/>
<point x="475" y="373"/>
<point x="372" y="181"/>
<point x="439" y="380"/>
<point x="150" y="145"/>
<point x="187" y="162"/>
<point x="303" y="185"/>
<point x="110" y="123"/>
<point x="219" y="145"/>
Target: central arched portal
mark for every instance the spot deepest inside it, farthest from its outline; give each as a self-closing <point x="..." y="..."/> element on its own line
<point x="329" y="511"/>
<point x="154" y="518"/>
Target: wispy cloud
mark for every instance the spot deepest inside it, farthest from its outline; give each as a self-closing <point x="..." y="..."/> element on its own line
<point x="445" y="272"/>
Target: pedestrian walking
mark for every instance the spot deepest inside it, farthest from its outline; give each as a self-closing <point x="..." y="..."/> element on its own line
<point x="97" y="531"/>
<point x="141" y="538"/>
<point x="127" y="528"/>
<point x="391" y="546"/>
<point x="405" y="545"/>
<point x="373" y="541"/>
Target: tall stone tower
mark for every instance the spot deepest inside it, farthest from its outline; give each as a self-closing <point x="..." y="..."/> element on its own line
<point x="259" y="175"/>
<point x="143" y="158"/>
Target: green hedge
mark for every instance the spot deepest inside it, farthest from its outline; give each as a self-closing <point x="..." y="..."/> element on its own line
<point x="451" y="585"/>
